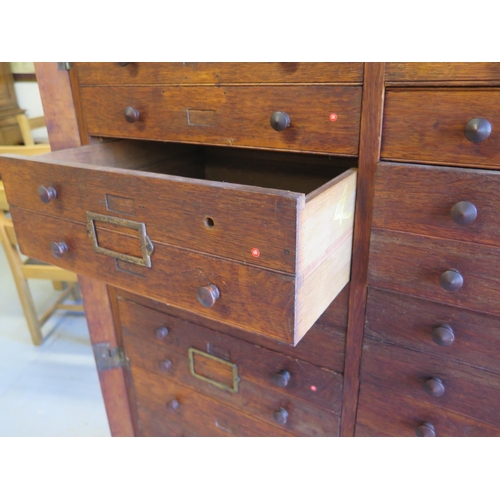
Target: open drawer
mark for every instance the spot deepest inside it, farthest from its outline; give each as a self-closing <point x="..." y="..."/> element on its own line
<point x="258" y="240"/>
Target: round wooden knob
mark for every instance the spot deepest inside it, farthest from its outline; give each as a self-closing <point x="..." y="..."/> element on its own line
<point x="477" y="130"/>
<point x="425" y="429"/>
<point x="280" y="416"/>
<point x="207" y="295"/>
<point x="443" y="335"/>
<point x="451" y="280"/>
<point x="123" y="64"/>
<point x="131" y="114"/>
<point x="46" y="193"/>
<point x="58" y="248"/>
<point x="434" y="387"/>
<point x="280" y="121"/>
<point x="282" y="378"/>
<point x="173" y="405"/>
<point x="161" y="332"/>
<point x="463" y="213"/>
<point x="165" y="365"/>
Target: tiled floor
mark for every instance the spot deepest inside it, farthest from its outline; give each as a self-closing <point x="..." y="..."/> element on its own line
<point x="51" y="390"/>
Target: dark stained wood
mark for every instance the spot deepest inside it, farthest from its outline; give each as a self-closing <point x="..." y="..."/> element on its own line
<point x="424" y="198"/>
<point x="467" y="390"/>
<point x="370" y="137"/>
<point x="239" y="116"/>
<point x="218" y="73"/>
<point x="427" y="126"/>
<point x="336" y="314"/>
<point x="412" y="264"/>
<point x="454" y="73"/>
<point x="254" y="399"/>
<point x="323" y="346"/>
<point x="157" y="424"/>
<point x="383" y="412"/>
<point x="197" y="412"/>
<point x="258" y="300"/>
<point x="409" y="322"/>
<point x="255" y="364"/>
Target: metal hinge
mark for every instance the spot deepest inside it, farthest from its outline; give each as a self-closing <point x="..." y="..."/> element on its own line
<point x="65" y="66"/>
<point x="107" y="358"/>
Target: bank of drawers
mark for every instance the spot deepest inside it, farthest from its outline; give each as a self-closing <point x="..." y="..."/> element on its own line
<point x="429" y="363"/>
<point x="192" y="380"/>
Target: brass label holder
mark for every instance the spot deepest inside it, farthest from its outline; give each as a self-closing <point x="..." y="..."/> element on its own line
<point x="234" y="388"/>
<point x="147" y="247"/>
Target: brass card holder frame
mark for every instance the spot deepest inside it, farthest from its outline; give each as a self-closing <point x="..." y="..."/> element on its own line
<point x="234" y="388"/>
<point x="147" y="247"/>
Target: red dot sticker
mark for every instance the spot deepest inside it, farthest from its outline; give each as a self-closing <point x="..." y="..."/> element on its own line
<point x="313" y="388"/>
<point x="255" y="252"/>
<point x="333" y="117"/>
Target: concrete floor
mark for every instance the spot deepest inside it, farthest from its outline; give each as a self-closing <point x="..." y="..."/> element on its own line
<point x="53" y="389"/>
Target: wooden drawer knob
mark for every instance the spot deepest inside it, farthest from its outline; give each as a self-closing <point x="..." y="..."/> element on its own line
<point x="173" y="404"/>
<point x="165" y="365"/>
<point x="46" y="193"/>
<point x="282" y="378"/>
<point x="58" y="248"/>
<point x="131" y="114"/>
<point x="161" y="332"/>
<point x="451" y="280"/>
<point x="443" y="335"/>
<point x="280" y="121"/>
<point x="207" y="295"/>
<point x="434" y="387"/>
<point x="280" y="416"/>
<point x="477" y="130"/>
<point x="425" y="429"/>
<point x="463" y="213"/>
<point x="123" y="64"/>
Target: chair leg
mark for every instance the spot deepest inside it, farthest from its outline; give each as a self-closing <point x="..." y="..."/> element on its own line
<point x="22" y="288"/>
<point x="75" y="291"/>
<point x="59" y="285"/>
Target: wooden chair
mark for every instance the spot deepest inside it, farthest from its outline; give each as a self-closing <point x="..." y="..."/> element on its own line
<point x="27" y="125"/>
<point x="25" y="269"/>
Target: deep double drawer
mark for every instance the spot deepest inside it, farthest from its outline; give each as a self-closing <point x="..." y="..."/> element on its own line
<point x="451" y="272"/>
<point x="177" y="224"/>
<point x="322" y="119"/>
<point x="436" y="329"/>
<point x="432" y="379"/>
<point x="444" y="202"/>
<point x="454" y="127"/>
<point x="216" y="73"/>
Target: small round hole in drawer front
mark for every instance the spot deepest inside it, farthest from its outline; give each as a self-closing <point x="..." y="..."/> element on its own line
<point x="209" y="222"/>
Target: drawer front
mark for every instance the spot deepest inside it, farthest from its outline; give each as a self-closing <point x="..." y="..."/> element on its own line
<point x="231" y="382"/>
<point x="251" y="298"/>
<point x="217" y="73"/>
<point x="322" y="119"/>
<point x="428" y="126"/>
<point x="416" y="265"/>
<point x="425" y="326"/>
<point x="435" y="380"/>
<point x="451" y="73"/>
<point x="323" y="346"/>
<point x="255" y="366"/>
<point x="452" y="203"/>
<point x="382" y="412"/>
<point x="161" y="403"/>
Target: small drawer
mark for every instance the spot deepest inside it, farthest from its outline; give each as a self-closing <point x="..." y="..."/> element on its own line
<point x="432" y="379"/>
<point x="239" y="368"/>
<point x="432" y="328"/>
<point x="452" y="127"/>
<point x="382" y="412"/>
<point x="451" y="272"/>
<point x="451" y="203"/>
<point x="216" y="73"/>
<point x="221" y="241"/>
<point x="167" y="401"/>
<point x="322" y="119"/>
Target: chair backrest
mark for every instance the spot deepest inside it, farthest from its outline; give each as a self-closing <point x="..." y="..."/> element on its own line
<point x="27" y="125"/>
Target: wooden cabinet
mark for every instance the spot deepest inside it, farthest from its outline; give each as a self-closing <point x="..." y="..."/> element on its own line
<point x="250" y="266"/>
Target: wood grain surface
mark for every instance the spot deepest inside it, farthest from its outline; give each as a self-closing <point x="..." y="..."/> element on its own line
<point x="233" y="116"/>
<point x="427" y="125"/>
<point x="451" y="72"/>
<point x="217" y="73"/>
